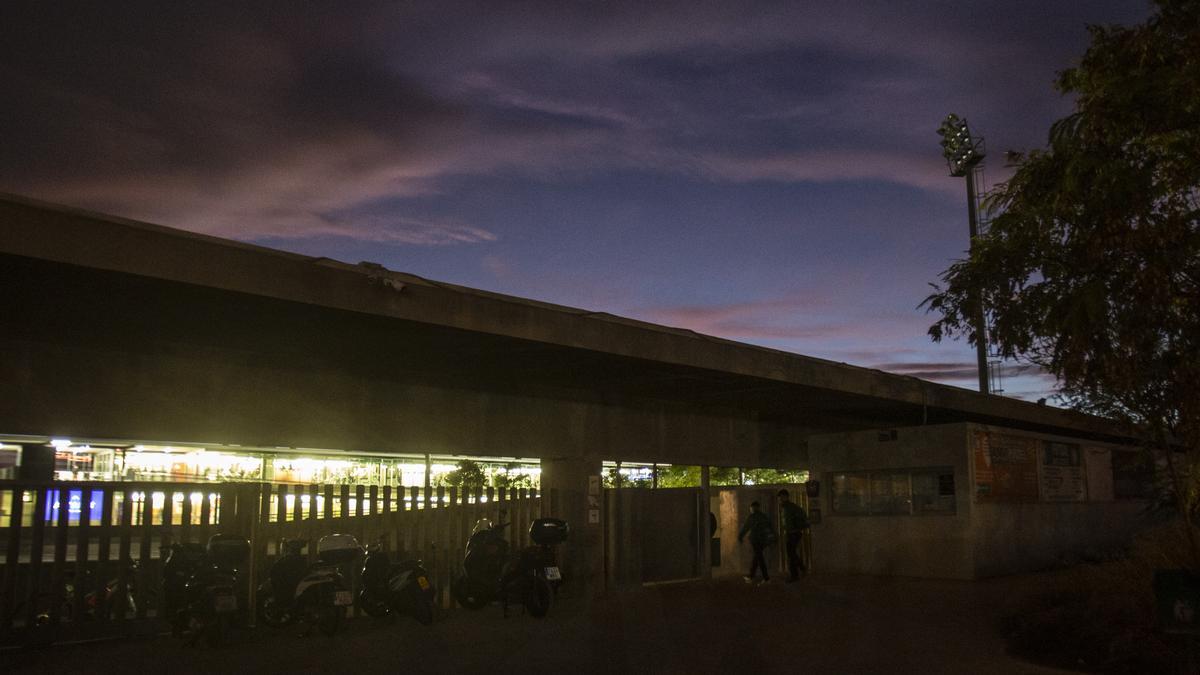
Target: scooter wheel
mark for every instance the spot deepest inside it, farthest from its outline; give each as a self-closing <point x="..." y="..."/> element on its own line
<point x="372" y="607"/>
<point x="329" y="619"/>
<point x="270" y="612"/>
<point x="467" y="595"/>
<point x="422" y="605"/>
<point x="538" y="597"/>
<point x="216" y="631"/>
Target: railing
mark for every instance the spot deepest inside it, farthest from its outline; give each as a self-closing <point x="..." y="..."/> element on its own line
<point x="83" y="559"/>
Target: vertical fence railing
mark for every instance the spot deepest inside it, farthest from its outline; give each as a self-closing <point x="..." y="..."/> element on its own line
<point x="94" y="550"/>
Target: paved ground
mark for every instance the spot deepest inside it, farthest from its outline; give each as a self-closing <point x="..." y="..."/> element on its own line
<point x="823" y="624"/>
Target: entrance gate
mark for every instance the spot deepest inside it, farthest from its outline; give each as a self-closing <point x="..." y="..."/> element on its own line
<point x="653" y="535"/>
<point x="731" y="506"/>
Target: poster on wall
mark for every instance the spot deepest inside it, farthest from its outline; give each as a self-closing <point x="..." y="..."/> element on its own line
<point x="1062" y="473"/>
<point x="1006" y="468"/>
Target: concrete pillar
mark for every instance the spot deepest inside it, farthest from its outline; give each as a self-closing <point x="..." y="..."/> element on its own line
<point x="706" y="532"/>
<point x="568" y="485"/>
<point x="37" y="463"/>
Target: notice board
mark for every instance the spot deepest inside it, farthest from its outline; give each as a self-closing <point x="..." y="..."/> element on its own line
<point x="1062" y="473"/>
<point x="1006" y="468"/>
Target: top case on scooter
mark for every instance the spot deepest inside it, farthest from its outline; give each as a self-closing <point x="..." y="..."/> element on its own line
<point x="228" y="550"/>
<point x="549" y="531"/>
<point x="183" y="560"/>
<point x="338" y="548"/>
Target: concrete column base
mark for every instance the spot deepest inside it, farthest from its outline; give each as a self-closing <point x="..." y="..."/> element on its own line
<point x="566" y="483"/>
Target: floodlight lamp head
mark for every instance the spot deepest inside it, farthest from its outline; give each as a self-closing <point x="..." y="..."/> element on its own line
<point x="961" y="150"/>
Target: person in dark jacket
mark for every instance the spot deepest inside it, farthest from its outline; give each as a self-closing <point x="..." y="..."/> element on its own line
<point x="758" y="526"/>
<point x="795" y="522"/>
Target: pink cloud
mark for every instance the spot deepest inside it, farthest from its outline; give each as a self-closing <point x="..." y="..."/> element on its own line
<point x="771" y="319"/>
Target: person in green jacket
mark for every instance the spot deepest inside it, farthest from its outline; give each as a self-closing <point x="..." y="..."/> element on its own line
<point x="795" y="522"/>
<point x="758" y="526"/>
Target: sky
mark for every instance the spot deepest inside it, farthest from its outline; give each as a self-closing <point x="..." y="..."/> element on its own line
<point x="767" y="172"/>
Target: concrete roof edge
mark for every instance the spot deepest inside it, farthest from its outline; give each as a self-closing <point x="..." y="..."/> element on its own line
<point x="863" y="381"/>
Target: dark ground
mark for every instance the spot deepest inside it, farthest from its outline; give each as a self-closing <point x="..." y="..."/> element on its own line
<point x="823" y="624"/>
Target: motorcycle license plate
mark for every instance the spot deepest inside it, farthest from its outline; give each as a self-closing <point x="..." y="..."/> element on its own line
<point x="423" y="583"/>
<point x="343" y="598"/>
<point x="552" y="574"/>
<point x="225" y="603"/>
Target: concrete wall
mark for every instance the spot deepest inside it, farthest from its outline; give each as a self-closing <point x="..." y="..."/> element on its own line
<point x="909" y="545"/>
<point x="1012" y="538"/>
<point x="1018" y="537"/>
<point x="985" y="537"/>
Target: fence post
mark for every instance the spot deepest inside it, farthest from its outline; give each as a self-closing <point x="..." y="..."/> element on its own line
<point x="250" y="504"/>
<point x="105" y="540"/>
<point x="124" y="556"/>
<point x="12" y="554"/>
<point x="82" y="544"/>
<point x="36" y="540"/>
<point x="185" y="516"/>
<point x="206" y="514"/>
<point x="60" y="554"/>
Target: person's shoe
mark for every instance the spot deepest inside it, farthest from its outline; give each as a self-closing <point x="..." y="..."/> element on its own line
<point x="748" y="580"/>
<point x="764" y="582"/>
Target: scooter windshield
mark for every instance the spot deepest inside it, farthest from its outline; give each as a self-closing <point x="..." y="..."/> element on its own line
<point x="482" y="525"/>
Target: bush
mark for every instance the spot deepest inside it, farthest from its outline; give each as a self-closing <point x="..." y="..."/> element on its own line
<point x="1100" y="617"/>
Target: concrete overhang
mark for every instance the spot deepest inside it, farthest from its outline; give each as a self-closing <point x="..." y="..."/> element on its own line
<point x="682" y="358"/>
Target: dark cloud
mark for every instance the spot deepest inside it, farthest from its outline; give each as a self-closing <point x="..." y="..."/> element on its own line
<point x="223" y="118"/>
<point x="761" y="171"/>
<point x="950" y="372"/>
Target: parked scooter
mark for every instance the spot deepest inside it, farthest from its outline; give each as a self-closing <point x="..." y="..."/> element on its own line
<point x="116" y="600"/>
<point x="530" y="578"/>
<point x="316" y="595"/>
<point x="400" y="588"/>
<point x="200" y="587"/>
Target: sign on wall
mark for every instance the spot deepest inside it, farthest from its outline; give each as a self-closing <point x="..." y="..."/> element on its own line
<point x="1006" y="468"/>
<point x="1062" y="473"/>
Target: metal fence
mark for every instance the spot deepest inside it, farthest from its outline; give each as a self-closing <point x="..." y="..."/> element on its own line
<point x="83" y="560"/>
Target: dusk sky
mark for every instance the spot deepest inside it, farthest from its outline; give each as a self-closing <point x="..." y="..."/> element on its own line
<point x="764" y="172"/>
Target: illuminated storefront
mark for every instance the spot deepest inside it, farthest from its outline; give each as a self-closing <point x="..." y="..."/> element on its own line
<point x="194" y="463"/>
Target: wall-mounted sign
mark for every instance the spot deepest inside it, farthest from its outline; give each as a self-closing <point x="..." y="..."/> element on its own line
<point x="1062" y="473"/>
<point x="593" y="485"/>
<point x="593" y="516"/>
<point x="1006" y="468"/>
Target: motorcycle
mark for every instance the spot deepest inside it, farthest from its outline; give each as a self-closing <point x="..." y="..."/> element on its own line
<point x="200" y="587"/>
<point x="401" y="588"/>
<point x="530" y="578"/>
<point x="316" y="595"/>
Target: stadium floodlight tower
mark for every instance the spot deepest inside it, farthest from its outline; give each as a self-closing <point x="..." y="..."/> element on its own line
<point x="963" y="152"/>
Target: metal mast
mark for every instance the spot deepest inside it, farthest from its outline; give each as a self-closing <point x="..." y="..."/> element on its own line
<point x="963" y="153"/>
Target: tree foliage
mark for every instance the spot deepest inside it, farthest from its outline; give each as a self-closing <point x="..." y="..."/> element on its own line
<point x="1091" y="265"/>
<point x="512" y="475"/>
<point x="467" y="476"/>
